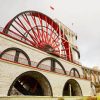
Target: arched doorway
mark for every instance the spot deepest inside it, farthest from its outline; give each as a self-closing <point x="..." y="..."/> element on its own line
<point x="31" y="83"/>
<point x="72" y="88"/>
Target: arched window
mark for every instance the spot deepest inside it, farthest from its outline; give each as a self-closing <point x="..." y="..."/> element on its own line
<point x="93" y="77"/>
<point x="99" y="77"/>
<point x="77" y="53"/>
<point x="16" y="55"/>
<point x="84" y="73"/>
<point x="51" y="64"/>
<point x="93" y="88"/>
<point x="74" y="72"/>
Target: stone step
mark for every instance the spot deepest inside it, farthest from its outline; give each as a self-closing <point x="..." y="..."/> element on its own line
<point x="50" y="98"/>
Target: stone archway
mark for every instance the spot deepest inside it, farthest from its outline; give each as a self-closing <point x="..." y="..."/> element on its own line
<point x="72" y="88"/>
<point x="31" y="83"/>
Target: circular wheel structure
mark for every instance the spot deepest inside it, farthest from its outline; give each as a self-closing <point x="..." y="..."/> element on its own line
<point x="39" y="31"/>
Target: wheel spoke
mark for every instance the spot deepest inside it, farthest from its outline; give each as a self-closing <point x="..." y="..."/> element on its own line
<point x="32" y="30"/>
<point x="41" y="24"/>
<point x="47" y="25"/>
<point x="25" y="29"/>
<point x="40" y="31"/>
<point x="20" y="36"/>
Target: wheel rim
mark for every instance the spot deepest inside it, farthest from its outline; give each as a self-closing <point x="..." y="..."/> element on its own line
<point x="40" y="31"/>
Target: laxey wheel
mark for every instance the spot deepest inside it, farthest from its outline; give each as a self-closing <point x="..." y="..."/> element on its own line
<point x="39" y="31"/>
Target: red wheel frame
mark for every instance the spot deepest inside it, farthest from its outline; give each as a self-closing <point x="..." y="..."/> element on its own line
<point x="40" y="31"/>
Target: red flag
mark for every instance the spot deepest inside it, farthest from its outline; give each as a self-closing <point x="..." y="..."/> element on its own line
<point x="52" y="7"/>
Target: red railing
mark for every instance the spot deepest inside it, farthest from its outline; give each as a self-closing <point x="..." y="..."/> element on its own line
<point x="9" y="57"/>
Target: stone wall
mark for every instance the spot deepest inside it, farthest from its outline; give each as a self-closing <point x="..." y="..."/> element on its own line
<point x="9" y="72"/>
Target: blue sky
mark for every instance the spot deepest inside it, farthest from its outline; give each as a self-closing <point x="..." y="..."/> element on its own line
<point x="84" y="14"/>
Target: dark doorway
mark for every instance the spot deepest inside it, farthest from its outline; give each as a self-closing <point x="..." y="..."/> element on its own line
<point x="31" y="83"/>
<point x="72" y="88"/>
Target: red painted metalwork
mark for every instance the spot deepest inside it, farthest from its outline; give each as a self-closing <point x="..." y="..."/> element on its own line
<point x="40" y="31"/>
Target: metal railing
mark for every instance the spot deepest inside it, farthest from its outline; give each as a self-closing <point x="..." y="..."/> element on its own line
<point x="10" y="57"/>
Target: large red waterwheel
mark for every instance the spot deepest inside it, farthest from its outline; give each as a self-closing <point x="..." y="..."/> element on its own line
<point x="39" y="31"/>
